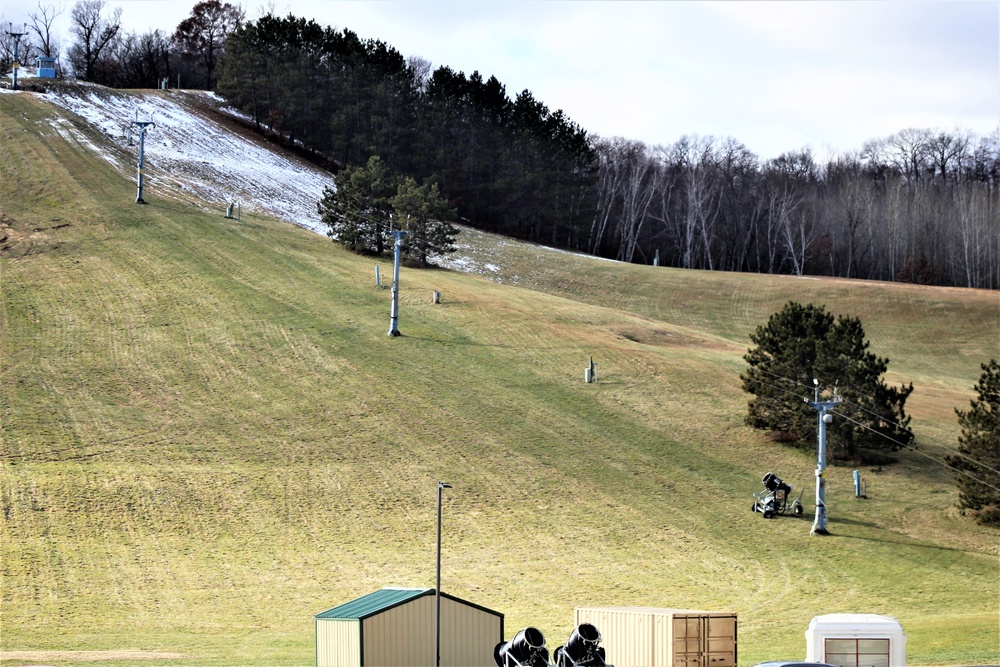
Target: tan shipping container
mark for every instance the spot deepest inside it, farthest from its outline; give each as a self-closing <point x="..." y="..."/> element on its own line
<point x="657" y="637"/>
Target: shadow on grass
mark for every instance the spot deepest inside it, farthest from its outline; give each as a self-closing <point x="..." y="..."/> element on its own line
<point x="902" y="542"/>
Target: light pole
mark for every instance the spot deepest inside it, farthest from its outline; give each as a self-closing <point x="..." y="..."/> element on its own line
<point x="437" y="590"/>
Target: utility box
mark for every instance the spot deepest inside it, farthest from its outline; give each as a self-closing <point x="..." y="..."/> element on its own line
<point x="856" y="640"/>
<point x="657" y="637"/>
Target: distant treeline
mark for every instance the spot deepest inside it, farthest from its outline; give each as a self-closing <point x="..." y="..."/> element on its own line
<point x="918" y="206"/>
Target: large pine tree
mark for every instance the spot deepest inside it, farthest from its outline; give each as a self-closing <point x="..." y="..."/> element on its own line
<point x="800" y="344"/>
<point x="357" y="210"/>
<point x="367" y="201"/>
<point x="977" y="466"/>
<point x="422" y="211"/>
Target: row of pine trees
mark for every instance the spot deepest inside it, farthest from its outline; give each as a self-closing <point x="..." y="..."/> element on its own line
<point x="509" y="166"/>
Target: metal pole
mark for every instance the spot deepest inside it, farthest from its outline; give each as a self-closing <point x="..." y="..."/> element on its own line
<point x="394" y="313"/>
<point x="142" y="155"/>
<point x="437" y="588"/>
<point x="824" y="418"/>
<point x="17" y="43"/>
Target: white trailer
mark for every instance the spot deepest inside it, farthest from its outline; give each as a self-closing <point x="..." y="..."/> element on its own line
<point x="856" y="640"/>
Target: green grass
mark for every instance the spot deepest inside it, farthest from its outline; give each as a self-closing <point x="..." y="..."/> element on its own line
<point x="207" y="436"/>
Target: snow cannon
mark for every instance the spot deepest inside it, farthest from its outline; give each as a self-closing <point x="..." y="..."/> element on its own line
<point x="582" y="649"/>
<point x="525" y="649"/>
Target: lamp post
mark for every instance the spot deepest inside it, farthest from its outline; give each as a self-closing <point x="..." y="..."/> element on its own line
<point x="437" y="590"/>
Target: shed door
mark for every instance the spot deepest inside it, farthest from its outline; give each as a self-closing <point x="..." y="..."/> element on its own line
<point x="857" y="652"/>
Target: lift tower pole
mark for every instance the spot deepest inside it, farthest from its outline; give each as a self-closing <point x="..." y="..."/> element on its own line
<point x="17" y="43"/>
<point x="143" y="124"/>
<point x="394" y="313"/>
<point x="824" y="417"/>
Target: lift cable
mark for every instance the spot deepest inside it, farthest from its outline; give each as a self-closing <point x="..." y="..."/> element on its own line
<point x="860" y="407"/>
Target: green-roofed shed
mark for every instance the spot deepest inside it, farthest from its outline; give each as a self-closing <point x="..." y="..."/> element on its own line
<point x="394" y="627"/>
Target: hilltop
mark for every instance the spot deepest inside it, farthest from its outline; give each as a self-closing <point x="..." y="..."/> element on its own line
<point x="207" y="436"/>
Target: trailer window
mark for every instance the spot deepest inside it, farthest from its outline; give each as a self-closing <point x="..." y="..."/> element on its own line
<point x="857" y="652"/>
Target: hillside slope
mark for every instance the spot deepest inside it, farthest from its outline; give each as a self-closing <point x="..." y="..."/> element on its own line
<point x="207" y="436"/>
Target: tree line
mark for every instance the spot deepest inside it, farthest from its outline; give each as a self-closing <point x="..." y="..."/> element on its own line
<point x="102" y="52"/>
<point x="917" y="206"/>
<point x="511" y="166"/>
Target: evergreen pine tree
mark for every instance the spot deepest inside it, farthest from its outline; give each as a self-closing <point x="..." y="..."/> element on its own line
<point x="421" y="210"/>
<point x="357" y="210"/>
<point x="800" y="344"/>
<point x="979" y="446"/>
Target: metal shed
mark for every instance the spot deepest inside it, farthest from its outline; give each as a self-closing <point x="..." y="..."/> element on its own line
<point x="856" y="640"/>
<point x="394" y="627"/>
<point x="656" y="637"/>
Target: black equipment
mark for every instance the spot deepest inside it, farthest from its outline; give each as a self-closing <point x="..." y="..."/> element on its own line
<point x="525" y="649"/>
<point x="582" y="649"/>
<point x="774" y="498"/>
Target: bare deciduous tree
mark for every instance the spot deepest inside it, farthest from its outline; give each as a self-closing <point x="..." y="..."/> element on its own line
<point x="41" y="24"/>
<point x="202" y="36"/>
<point x="95" y="36"/>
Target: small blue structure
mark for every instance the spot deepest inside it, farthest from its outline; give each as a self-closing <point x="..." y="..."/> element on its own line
<point x="46" y="67"/>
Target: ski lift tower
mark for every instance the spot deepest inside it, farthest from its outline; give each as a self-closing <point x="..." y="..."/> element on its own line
<point x="394" y="314"/>
<point x="17" y="43"/>
<point x="824" y="417"/>
<point x="143" y="124"/>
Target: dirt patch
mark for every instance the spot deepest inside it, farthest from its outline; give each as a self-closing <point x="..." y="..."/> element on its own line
<point x="86" y="656"/>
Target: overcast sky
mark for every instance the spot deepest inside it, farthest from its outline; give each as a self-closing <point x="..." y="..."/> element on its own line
<point x="776" y="76"/>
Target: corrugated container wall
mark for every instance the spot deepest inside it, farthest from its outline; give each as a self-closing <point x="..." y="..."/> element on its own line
<point x="655" y="637"/>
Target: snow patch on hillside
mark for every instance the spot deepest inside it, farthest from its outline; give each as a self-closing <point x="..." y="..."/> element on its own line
<point x="190" y="151"/>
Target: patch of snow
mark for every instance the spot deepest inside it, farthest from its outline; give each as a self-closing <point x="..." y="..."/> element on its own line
<point x="197" y="154"/>
<point x="187" y="151"/>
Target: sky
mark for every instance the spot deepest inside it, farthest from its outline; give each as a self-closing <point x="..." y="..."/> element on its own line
<point x="776" y="76"/>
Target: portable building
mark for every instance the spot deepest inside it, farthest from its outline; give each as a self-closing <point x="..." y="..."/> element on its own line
<point x="856" y="640"/>
<point x="395" y="627"/>
<point x="656" y="637"/>
<point x="46" y="67"/>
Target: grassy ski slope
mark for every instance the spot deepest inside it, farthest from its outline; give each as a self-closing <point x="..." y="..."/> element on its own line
<point x="207" y="436"/>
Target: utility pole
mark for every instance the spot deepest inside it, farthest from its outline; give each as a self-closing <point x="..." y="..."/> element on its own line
<point x="824" y="417"/>
<point x="437" y="589"/>
<point x="394" y="313"/>
<point x="143" y="124"/>
<point x="17" y="43"/>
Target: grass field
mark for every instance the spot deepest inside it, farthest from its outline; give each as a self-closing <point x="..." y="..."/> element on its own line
<point x="207" y="436"/>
